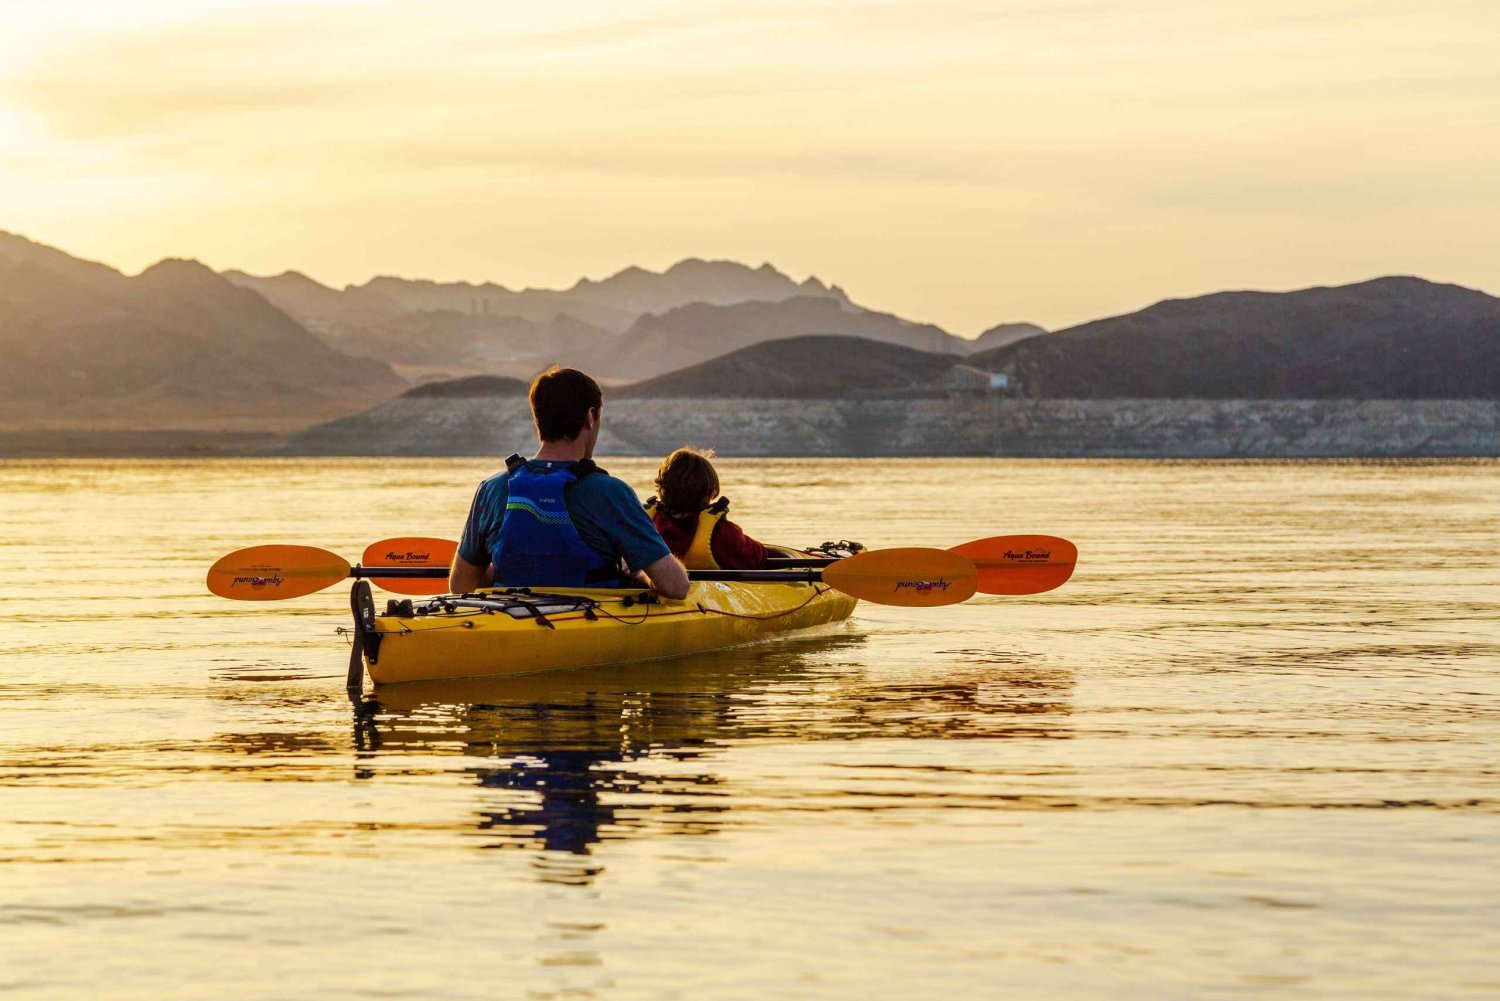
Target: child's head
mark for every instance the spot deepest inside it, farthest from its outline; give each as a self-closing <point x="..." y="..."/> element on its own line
<point x="686" y="481"/>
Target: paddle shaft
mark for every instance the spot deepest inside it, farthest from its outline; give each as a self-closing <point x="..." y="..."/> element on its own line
<point x="436" y="573"/>
<point x="772" y="563"/>
<point x="777" y="564"/>
<point x="426" y="573"/>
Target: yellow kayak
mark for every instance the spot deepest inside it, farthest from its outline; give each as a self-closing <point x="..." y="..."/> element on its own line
<point x="498" y="632"/>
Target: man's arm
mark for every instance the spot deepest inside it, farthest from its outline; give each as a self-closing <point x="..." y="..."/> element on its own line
<point x="471" y="567"/>
<point x="668" y="577"/>
<point x="616" y="512"/>
<point x="464" y="576"/>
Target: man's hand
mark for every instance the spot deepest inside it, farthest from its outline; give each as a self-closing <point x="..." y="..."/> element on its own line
<point x="668" y="577"/>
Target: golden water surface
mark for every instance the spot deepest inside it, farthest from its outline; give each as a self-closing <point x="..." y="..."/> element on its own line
<point x="1249" y="751"/>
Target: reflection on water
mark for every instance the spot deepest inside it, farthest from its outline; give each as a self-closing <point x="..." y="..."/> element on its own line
<point x="568" y="760"/>
<point x="1248" y="751"/>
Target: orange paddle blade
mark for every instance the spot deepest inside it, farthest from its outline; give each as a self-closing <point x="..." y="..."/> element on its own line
<point x="269" y="573"/>
<point x="413" y="552"/>
<point x="913" y="577"/>
<point x="1020" y="564"/>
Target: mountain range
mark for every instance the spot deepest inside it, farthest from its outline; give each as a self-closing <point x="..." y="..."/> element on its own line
<point x="615" y="302"/>
<point x="632" y="325"/>
<point x="1390" y="338"/>
<point x="1386" y="339"/>
<point x="610" y="305"/>
<point x="175" y="343"/>
<point x="180" y="345"/>
<point x="810" y="367"/>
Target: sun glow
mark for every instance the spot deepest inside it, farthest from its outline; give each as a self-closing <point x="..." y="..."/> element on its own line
<point x="16" y="133"/>
<point x="962" y="162"/>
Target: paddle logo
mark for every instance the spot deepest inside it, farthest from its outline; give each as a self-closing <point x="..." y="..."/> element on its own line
<point x="409" y="557"/>
<point x="256" y="583"/>
<point x="1028" y="555"/>
<point x="923" y="586"/>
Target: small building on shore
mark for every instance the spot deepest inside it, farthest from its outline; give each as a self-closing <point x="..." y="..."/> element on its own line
<point x="968" y="379"/>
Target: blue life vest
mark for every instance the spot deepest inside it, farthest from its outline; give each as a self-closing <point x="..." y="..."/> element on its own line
<point x="538" y="544"/>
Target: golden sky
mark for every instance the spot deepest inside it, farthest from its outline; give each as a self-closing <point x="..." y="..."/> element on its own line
<point x="954" y="161"/>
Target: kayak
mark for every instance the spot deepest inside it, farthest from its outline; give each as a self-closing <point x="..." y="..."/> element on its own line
<point x="497" y="632"/>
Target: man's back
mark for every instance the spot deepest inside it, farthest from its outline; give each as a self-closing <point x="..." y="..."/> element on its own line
<point x="605" y="520"/>
<point x="605" y="511"/>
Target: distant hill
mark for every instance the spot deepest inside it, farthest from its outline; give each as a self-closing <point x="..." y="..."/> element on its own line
<point x="314" y="303"/>
<point x="1005" y="333"/>
<point x="473" y="387"/>
<point x="1390" y="338"/>
<point x="656" y="344"/>
<point x="813" y="367"/>
<point x="613" y="303"/>
<point x="350" y="315"/>
<point x="371" y="324"/>
<point x="18" y="252"/>
<point x="608" y="327"/>
<point x="178" y="342"/>
<point x="487" y="344"/>
<point x="718" y="283"/>
<point x="494" y="300"/>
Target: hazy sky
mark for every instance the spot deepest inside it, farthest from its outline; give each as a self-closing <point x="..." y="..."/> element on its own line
<point x="955" y="161"/>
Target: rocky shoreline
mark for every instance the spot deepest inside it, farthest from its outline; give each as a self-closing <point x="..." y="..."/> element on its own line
<point x="960" y="425"/>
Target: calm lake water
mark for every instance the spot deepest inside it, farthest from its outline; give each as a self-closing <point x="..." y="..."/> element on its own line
<point x="1249" y="751"/>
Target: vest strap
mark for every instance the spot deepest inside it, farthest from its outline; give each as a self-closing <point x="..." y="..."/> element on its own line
<point x="700" y="552"/>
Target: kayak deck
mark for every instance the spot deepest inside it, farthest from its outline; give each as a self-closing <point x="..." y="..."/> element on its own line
<point x="496" y="632"/>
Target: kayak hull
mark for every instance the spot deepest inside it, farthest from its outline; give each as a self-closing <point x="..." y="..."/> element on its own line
<point x="586" y="627"/>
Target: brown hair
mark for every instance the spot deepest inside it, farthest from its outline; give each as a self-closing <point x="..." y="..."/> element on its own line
<point x="561" y="399"/>
<point x="686" y="481"/>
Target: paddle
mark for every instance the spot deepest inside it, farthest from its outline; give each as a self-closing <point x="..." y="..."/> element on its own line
<point x="1020" y="564"/>
<point x="911" y="577"/>
<point x="417" y="551"/>
<point x="1007" y="564"/>
<point x="271" y="573"/>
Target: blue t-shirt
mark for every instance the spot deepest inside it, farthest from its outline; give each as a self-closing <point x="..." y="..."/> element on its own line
<point x="605" y="511"/>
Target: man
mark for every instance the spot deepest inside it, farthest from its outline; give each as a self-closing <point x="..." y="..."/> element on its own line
<point x="558" y="520"/>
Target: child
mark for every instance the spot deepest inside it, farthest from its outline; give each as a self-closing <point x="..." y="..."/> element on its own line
<point x="693" y="526"/>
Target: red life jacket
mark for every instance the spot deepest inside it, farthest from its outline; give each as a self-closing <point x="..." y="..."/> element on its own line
<point x="708" y="540"/>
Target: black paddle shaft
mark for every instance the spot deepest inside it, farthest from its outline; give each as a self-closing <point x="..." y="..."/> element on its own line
<point x="775" y="574"/>
<point x="423" y="573"/>
<point x="756" y="575"/>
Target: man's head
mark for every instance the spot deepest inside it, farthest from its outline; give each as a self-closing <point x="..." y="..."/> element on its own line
<point x="564" y="404"/>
